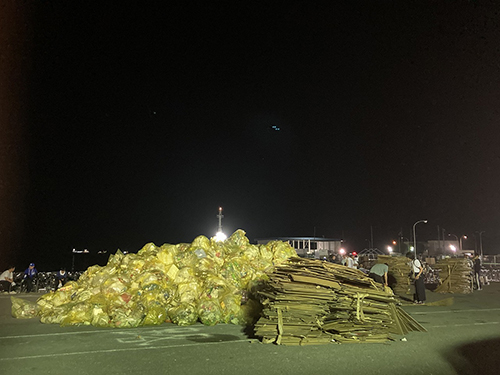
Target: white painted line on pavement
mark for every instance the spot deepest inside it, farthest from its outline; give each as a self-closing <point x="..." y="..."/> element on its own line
<point x="139" y="330"/>
<point x="52" y="334"/>
<point x="122" y="350"/>
<point x="451" y="311"/>
<point x="464" y="325"/>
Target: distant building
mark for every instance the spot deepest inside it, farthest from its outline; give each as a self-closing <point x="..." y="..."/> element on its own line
<point x="309" y="247"/>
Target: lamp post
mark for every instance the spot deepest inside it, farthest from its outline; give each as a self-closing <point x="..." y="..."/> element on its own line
<point x="415" y="236"/>
<point x="481" y="243"/>
<point x="461" y="238"/>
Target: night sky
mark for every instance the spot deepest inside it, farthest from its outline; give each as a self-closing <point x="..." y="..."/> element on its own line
<point x="129" y="124"/>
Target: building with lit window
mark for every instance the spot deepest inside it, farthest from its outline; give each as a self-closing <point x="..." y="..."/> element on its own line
<point x="309" y="247"/>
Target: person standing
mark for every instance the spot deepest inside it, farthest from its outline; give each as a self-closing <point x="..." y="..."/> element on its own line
<point x="7" y="279"/>
<point x="355" y="261"/>
<point x="343" y="261"/>
<point x="379" y="273"/>
<point x="349" y="261"/>
<point x="29" y="277"/>
<point x="417" y="269"/>
<point x="477" y="271"/>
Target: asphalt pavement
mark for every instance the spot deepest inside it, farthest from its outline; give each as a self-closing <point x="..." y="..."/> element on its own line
<point x="463" y="338"/>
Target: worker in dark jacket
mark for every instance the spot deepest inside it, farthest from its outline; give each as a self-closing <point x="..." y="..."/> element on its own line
<point x="61" y="278"/>
<point x="477" y="271"/>
<point x="30" y="277"/>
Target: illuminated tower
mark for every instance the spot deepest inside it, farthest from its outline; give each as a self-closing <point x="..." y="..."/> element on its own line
<point x="220" y="236"/>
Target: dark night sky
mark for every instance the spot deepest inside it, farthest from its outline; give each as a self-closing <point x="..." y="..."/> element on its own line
<point x="142" y="120"/>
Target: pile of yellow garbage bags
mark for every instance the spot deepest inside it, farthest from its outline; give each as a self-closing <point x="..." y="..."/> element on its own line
<point x="183" y="283"/>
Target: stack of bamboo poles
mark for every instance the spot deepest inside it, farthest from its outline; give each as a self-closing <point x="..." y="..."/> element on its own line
<point x="399" y="271"/>
<point x="454" y="276"/>
<point x="313" y="302"/>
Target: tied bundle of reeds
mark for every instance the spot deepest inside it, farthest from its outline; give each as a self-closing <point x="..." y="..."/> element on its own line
<point x="398" y="275"/>
<point x="455" y="276"/>
<point x="313" y="302"/>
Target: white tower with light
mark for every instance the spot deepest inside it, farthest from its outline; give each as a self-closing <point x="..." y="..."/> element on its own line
<point x="220" y="236"/>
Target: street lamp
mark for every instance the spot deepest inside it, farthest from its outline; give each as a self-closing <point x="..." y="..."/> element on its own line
<point x="459" y="240"/>
<point x="415" y="236"/>
<point x="453" y="248"/>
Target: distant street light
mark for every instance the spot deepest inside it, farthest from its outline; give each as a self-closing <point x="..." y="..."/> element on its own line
<point x="459" y="240"/>
<point x="389" y="249"/>
<point x="453" y="248"/>
<point x="415" y="235"/>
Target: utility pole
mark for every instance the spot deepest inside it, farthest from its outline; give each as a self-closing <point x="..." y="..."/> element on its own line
<point x="439" y="239"/>
<point x="371" y="236"/>
<point x="481" y="243"/>
<point x="415" y="237"/>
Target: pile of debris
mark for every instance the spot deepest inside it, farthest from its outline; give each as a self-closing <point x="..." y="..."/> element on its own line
<point x="398" y="275"/>
<point x="455" y="276"/>
<point x="313" y="302"/>
<point x="184" y="283"/>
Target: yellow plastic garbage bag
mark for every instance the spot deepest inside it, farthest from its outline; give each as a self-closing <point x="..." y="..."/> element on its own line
<point x="79" y="314"/>
<point x="99" y="317"/>
<point x="151" y="281"/>
<point x="155" y="315"/>
<point x="188" y="292"/>
<point x="55" y="316"/>
<point x="209" y="311"/>
<point x="150" y="249"/>
<point x="113" y="285"/>
<point x="207" y="265"/>
<point x="127" y="316"/>
<point x="231" y="308"/>
<point x="184" y="314"/>
<point x="23" y="309"/>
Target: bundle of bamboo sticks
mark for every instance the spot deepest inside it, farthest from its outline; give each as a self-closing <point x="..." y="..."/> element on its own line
<point x="455" y="276"/>
<point x="313" y="302"/>
<point x="399" y="271"/>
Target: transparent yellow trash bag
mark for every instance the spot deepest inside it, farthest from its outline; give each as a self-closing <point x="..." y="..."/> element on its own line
<point x="23" y="309"/>
<point x="184" y="314"/>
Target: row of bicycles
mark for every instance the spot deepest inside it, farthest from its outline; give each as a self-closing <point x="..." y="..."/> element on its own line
<point x="42" y="282"/>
